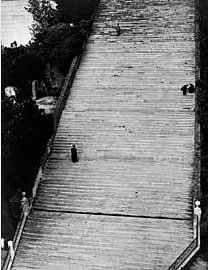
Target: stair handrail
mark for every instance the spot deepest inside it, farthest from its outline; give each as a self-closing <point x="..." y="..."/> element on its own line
<point x="13" y="244"/>
<point x="191" y="250"/>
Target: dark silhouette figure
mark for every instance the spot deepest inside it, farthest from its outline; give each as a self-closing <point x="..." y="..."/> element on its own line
<point x="184" y="89"/>
<point x="191" y="88"/>
<point x="74" y="157"/>
<point x="118" y="29"/>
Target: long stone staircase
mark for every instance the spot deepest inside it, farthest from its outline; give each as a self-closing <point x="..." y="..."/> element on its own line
<point x="127" y="203"/>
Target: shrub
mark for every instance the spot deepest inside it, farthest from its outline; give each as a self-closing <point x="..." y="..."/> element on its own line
<point x="44" y="14"/>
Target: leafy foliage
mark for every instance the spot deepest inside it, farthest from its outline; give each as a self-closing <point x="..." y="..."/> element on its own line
<point x="44" y="14"/>
<point x="75" y="10"/>
<point x="24" y="132"/>
<point x="21" y="65"/>
<point x="61" y="44"/>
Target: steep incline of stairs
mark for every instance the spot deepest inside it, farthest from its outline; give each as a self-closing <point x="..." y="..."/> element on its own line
<point x="127" y="203"/>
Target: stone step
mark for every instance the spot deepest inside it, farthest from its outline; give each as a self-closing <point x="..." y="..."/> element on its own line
<point x="127" y="203"/>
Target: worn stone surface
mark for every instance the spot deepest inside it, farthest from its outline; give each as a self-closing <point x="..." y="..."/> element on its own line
<point x="81" y="241"/>
<point x="127" y="203"/>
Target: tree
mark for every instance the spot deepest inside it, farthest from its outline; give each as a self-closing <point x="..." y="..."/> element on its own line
<point x="75" y="10"/>
<point x="25" y="132"/>
<point x="44" y="15"/>
<point x="21" y="66"/>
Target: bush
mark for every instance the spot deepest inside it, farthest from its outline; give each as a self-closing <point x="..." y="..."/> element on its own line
<point x="73" y="10"/>
<point x="44" y="15"/>
<point x="21" y="67"/>
<point x="24" y="133"/>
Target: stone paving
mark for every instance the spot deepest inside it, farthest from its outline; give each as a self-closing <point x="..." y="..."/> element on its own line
<point x="127" y="203"/>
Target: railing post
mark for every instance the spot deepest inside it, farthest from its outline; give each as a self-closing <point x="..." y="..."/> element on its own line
<point x="25" y="204"/>
<point x="197" y="220"/>
<point x="11" y="249"/>
<point x="194" y="247"/>
<point x="2" y="243"/>
<point x="12" y="245"/>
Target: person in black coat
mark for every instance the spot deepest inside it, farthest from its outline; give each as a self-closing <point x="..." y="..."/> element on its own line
<point x="74" y="157"/>
<point x="191" y="88"/>
<point x="184" y="89"/>
<point x="118" y="29"/>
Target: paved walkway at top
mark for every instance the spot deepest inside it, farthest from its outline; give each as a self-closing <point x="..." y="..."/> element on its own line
<point x="127" y="203"/>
